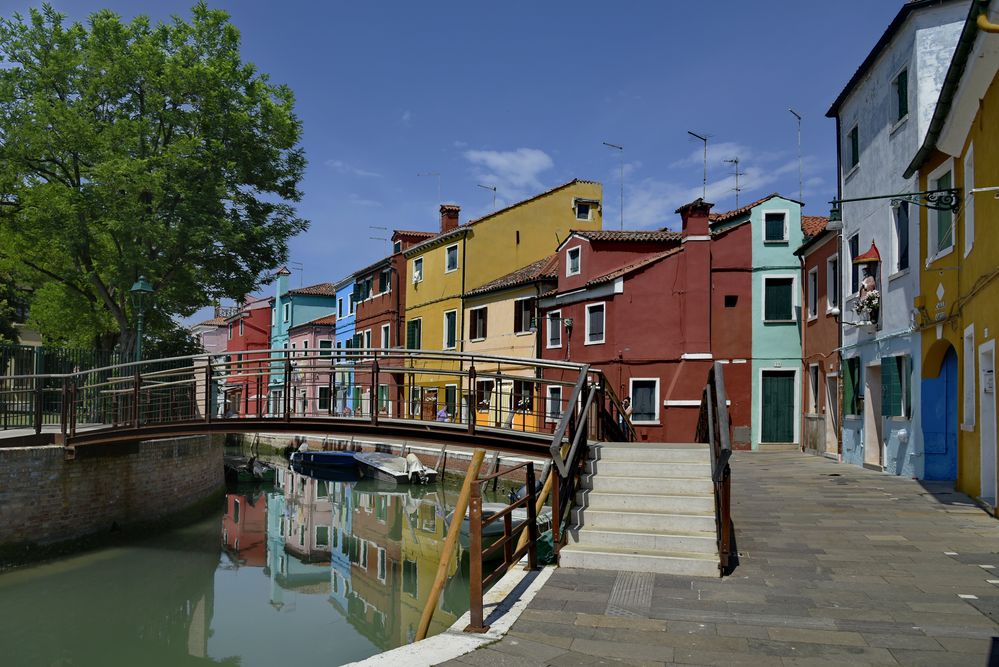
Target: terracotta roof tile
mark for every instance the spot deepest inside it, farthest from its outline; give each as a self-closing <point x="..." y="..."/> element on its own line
<point x="652" y="236"/>
<point x="534" y="272"/>
<point x="633" y="266"/>
<point x="813" y="224"/>
<point x="320" y="289"/>
<point x="214" y="322"/>
<point x="413" y="233"/>
<point x="324" y="321"/>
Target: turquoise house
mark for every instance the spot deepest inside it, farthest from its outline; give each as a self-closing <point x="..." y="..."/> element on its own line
<point x="290" y="308"/>
<point x="776" y="315"/>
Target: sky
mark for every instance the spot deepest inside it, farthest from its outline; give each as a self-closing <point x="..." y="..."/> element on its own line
<point x="520" y="95"/>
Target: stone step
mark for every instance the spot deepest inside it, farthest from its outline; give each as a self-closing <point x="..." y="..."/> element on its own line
<point x="635" y="502"/>
<point x="637" y="560"/>
<point x="697" y="542"/>
<point x="630" y="469"/>
<point x="678" y="486"/>
<point x="778" y="447"/>
<point x="651" y="454"/>
<point x="663" y="522"/>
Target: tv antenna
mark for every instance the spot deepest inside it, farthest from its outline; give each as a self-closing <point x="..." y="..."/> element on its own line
<point x="489" y="187"/>
<point x="735" y="161"/>
<point x="298" y="266"/>
<point x="704" y="138"/>
<point x="620" y="150"/>
<point x="380" y="238"/>
<point x="800" y="188"/>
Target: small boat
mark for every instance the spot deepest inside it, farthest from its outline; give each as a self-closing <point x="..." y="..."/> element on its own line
<point x="327" y="474"/>
<point x="325" y="460"/>
<point x="388" y="467"/>
<point x="242" y="470"/>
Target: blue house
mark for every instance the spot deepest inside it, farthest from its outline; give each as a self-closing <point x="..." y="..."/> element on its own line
<point x="345" y="339"/>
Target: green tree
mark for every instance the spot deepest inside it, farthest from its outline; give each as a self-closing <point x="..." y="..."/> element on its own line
<point x="132" y="148"/>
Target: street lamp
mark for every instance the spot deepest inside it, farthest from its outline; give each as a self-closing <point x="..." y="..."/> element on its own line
<point x="139" y="290"/>
<point x="566" y="320"/>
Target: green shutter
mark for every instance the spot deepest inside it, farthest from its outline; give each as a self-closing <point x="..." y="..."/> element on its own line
<point x="891" y="387"/>
<point x="903" y="95"/>
<point x="777" y="300"/>
<point x="778" y="407"/>
<point x="849" y="393"/>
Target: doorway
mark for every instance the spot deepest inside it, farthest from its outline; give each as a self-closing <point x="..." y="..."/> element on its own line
<point x="832" y="414"/>
<point x="987" y="427"/>
<point x="940" y="420"/>
<point x="872" y="417"/>
<point x="777" y="406"/>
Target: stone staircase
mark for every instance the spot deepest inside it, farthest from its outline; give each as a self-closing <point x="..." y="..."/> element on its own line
<point x="645" y="507"/>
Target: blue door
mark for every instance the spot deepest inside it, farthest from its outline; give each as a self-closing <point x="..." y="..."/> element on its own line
<point x="940" y="421"/>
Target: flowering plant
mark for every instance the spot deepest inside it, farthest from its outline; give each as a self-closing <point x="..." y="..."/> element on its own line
<point x="870" y="302"/>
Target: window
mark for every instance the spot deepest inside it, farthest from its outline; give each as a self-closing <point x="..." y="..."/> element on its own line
<point x="595" y="316"/>
<point x="325" y="348"/>
<point x="968" y="381"/>
<point x="832" y="283"/>
<point x="775" y="226"/>
<point x="410" y="577"/>
<point x="900" y="97"/>
<point x="941" y="232"/>
<point x="969" y="200"/>
<point x="813" y="389"/>
<point x="895" y="393"/>
<point x="644" y="400"/>
<point x="477" y="323"/>
<point x="813" y="293"/>
<point x="286" y="312"/>
<point x="553" y="409"/>
<point x="854" y="268"/>
<point x="451" y="258"/>
<point x="555" y="329"/>
<point x="450" y="329"/>
<point x="484" y="394"/>
<point x="383" y="282"/>
<point x="339" y="307"/>
<point x="383" y="398"/>
<point x="350" y="304"/>
<point x="778" y="299"/>
<point x="583" y="209"/>
<point x="322" y="536"/>
<point x="386" y="336"/>
<point x="415" y="401"/>
<point x="900" y="238"/>
<point x="731" y="300"/>
<point x="414" y="334"/>
<point x="451" y="399"/>
<point x="229" y="334"/>
<point x="572" y="258"/>
<point x="367" y="339"/>
<point x="324" y="398"/>
<point x="397" y="246"/>
<point x="853" y="398"/>
<point x="522" y="397"/>
<point x="240" y="327"/>
<point x="418" y="270"/>
<point x="523" y="315"/>
<point x="853" y="148"/>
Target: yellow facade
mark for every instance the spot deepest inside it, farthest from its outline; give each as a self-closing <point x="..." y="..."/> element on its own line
<point x="488" y="248"/>
<point x="959" y="304"/>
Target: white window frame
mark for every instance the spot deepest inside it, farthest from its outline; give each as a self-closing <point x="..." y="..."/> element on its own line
<point x="444" y="341"/>
<point x="589" y="209"/>
<point x="471" y="319"/>
<point x="968" y="215"/>
<point x="350" y="304"/>
<point x="326" y="348"/>
<point x="447" y="249"/>
<point x="589" y="306"/>
<point x="831" y="283"/>
<point x="897" y="121"/>
<point x="934" y="253"/>
<point x="550" y="317"/>
<point x="382" y="566"/>
<point x="787" y="216"/>
<point x="339" y="307"/>
<point x="241" y="327"/>
<point x="812" y="285"/>
<point x="851" y="169"/>
<point x="418" y="270"/>
<point x="579" y="261"/>
<point x="895" y="250"/>
<point x="366" y="338"/>
<point x="517" y="304"/>
<point x="550" y="391"/>
<point x="849" y="280"/>
<point x="794" y="297"/>
<point x="386" y="336"/>
<point x="797" y="399"/>
<point x="229" y="332"/>
<point x="655" y="402"/>
<point x="969" y="388"/>
<point x="286" y="312"/>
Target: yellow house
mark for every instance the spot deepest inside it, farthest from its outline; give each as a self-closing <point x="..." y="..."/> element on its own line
<point x="441" y="271"/>
<point x="958" y="310"/>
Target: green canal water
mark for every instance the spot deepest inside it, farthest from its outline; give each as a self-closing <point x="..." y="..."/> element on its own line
<point x="302" y="572"/>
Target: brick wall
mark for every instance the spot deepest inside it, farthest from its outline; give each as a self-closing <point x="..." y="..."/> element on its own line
<point x="45" y="499"/>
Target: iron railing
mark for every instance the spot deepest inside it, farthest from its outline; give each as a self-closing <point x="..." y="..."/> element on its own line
<point x="714" y="428"/>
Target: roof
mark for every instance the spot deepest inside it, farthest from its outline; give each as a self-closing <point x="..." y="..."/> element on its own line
<point x="534" y="272"/>
<point x="715" y="218"/>
<point x="654" y="236"/>
<point x="323" y="321"/>
<point x="320" y="289"/>
<point x="903" y="13"/>
<point x="214" y="322"/>
<point x="415" y="233"/>
<point x="813" y="224"/>
<point x="949" y="87"/>
<point x="463" y="229"/>
<point x="633" y="266"/>
<point x="811" y="241"/>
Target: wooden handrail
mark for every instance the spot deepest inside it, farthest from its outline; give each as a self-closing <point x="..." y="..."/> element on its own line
<point x="714" y="429"/>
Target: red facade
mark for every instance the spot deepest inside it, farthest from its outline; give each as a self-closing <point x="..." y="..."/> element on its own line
<point x="672" y="304"/>
<point x="246" y="384"/>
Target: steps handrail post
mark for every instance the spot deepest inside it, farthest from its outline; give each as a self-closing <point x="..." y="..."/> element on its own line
<point x="475" y="559"/>
<point x="208" y="390"/>
<point x="374" y="391"/>
<point x="532" y="520"/>
<point x="39" y="384"/>
<point x="556" y="508"/>
<point x="136" y="384"/>
<point x="473" y="412"/>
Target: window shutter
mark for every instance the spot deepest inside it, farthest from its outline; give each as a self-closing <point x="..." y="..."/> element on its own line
<point x="903" y="95"/>
<point x="518" y="316"/>
<point x="891" y="387"/>
<point x="848" y="390"/>
<point x="485" y="319"/>
<point x="411" y="335"/>
<point x="778" y="299"/>
<point x="358" y="341"/>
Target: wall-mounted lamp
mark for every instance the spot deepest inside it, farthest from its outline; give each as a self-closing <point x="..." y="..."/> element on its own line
<point x="566" y="320"/>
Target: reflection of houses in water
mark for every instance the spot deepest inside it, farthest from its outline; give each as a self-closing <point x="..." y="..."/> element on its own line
<point x="244" y="528"/>
<point x="310" y="515"/>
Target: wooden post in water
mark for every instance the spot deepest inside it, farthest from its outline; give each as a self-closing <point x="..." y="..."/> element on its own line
<point x="454" y="530"/>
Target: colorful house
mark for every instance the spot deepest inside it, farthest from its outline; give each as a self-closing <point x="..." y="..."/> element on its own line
<point x="211" y="334"/>
<point x="344" y="391"/>
<point x="957" y="310"/>
<point x="882" y="116"/>
<point x="247" y="330"/>
<point x="820" y="337"/>
<point x="311" y="375"/>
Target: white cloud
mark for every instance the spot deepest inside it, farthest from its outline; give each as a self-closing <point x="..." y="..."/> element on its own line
<point x="514" y="173"/>
<point x="357" y="200"/>
<point x="345" y="168"/>
<point x="460" y="144"/>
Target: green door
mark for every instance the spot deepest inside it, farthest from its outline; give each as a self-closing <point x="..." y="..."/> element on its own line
<point x="778" y="407"/>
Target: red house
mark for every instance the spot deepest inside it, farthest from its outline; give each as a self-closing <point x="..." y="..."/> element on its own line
<point x="653" y="310"/>
<point x="249" y="329"/>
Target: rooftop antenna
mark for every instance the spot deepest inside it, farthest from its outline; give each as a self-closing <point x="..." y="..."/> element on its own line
<point x="380" y="238"/>
<point x="704" y="188"/>
<point x="298" y="266"/>
<point x="490" y="187"/>
<point x="735" y="161"/>
<point x="620" y="150"/>
<point x="800" y="188"/>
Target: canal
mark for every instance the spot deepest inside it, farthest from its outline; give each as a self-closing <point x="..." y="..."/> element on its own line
<point x="300" y="570"/>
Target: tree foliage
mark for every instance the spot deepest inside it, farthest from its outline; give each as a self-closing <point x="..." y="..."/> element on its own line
<point x="132" y="148"/>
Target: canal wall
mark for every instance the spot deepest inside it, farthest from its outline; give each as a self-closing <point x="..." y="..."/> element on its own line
<point x="50" y="504"/>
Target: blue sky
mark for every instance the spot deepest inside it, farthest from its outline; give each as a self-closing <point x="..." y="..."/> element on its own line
<point x="521" y="94"/>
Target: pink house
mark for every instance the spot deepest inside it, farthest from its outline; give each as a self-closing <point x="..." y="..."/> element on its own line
<point x="311" y="358"/>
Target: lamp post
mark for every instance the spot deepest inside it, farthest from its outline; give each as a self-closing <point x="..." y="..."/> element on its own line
<point x="139" y="290"/>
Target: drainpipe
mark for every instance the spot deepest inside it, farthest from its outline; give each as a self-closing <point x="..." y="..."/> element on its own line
<point x="985" y="25"/>
<point x="841" y="300"/>
<point x="802" y="319"/>
<point x="461" y="298"/>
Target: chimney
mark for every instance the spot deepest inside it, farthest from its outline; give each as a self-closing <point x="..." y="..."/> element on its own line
<point x="695" y="281"/>
<point x="282" y="281"/>
<point x="694" y="218"/>
<point x="449" y="217"/>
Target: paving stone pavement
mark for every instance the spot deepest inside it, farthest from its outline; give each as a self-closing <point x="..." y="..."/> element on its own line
<point x="838" y="566"/>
